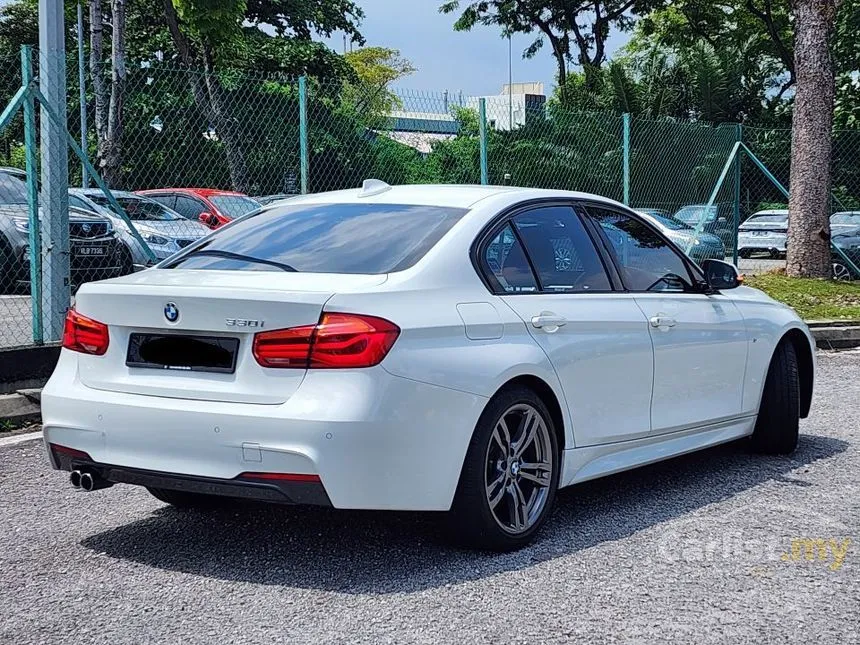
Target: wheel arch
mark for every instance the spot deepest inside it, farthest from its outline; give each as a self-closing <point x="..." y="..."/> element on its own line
<point x="546" y="393"/>
<point x="805" y="366"/>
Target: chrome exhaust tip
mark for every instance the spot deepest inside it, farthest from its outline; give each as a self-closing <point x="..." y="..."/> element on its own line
<point x="75" y="478"/>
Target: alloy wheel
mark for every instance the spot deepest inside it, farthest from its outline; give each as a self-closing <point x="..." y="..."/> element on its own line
<point x="518" y="468"/>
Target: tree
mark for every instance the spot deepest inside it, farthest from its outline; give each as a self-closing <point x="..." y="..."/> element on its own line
<point x="210" y="32"/>
<point x="808" y="243"/>
<point x="376" y="68"/>
<point x="582" y="26"/>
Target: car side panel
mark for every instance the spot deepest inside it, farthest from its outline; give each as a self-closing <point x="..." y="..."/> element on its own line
<point x="434" y="347"/>
<point x="766" y="321"/>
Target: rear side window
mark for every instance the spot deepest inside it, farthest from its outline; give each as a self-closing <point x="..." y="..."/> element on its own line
<point x="508" y="267"/>
<point x="325" y="238"/>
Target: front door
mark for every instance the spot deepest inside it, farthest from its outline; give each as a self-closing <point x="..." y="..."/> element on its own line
<point x="597" y="339"/>
<point x="700" y="341"/>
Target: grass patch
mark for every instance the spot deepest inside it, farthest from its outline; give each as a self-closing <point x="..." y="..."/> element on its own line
<point x="811" y="298"/>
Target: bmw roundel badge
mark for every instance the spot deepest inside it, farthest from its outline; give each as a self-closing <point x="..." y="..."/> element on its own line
<point x="171" y="312"/>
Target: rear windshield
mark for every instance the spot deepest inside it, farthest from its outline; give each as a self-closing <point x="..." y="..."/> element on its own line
<point x="139" y="209"/>
<point x="696" y="214"/>
<point x="325" y="238"/>
<point x="845" y="218"/>
<point x="12" y="189"/>
<point x="768" y="219"/>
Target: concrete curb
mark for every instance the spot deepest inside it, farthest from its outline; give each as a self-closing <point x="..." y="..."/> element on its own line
<point x="19" y="438"/>
<point x="835" y="334"/>
<point x="21" y="407"/>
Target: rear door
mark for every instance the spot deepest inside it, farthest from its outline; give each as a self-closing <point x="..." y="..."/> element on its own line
<point x="700" y="340"/>
<point x="544" y="265"/>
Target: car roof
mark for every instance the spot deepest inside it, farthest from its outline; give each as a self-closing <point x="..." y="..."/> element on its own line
<point x="444" y="195"/>
<point x="202" y="192"/>
<point x="97" y="192"/>
<point x="772" y="211"/>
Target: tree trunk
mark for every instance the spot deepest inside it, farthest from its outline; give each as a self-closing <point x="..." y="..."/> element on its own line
<point x="809" y="212"/>
<point x="226" y="127"/>
<point x="111" y="155"/>
<point x="97" y="67"/>
<point x="209" y="99"/>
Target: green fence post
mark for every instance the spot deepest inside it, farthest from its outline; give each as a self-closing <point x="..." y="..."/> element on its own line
<point x="482" y="133"/>
<point x="303" y="132"/>
<point x="739" y="137"/>
<point x="34" y="230"/>
<point x="626" y="151"/>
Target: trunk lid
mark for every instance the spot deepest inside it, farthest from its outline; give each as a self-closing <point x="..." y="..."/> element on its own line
<point x="212" y="304"/>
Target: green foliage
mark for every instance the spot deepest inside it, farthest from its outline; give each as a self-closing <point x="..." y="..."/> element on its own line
<point x="813" y="299"/>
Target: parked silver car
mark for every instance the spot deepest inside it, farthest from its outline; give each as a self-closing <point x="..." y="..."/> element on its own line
<point x="764" y="232"/>
<point x="164" y="230"/>
<point x="703" y="246"/>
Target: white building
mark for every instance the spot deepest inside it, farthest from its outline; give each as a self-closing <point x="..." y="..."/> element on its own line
<point x="513" y="106"/>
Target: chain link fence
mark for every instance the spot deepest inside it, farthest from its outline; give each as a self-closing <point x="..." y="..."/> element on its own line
<point x="190" y="150"/>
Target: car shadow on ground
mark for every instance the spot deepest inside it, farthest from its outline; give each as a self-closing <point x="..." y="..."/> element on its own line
<point x="374" y="552"/>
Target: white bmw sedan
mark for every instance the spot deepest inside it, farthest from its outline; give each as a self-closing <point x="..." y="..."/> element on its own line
<point x="430" y="348"/>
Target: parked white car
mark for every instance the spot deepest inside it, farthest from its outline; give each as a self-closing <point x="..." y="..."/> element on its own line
<point x="844" y="221"/>
<point x="165" y="231"/>
<point x="420" y="348"/>
<point x="765" y="231"/>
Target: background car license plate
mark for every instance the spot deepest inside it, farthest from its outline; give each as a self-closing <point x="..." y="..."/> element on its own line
<point x="759" y="233"/>
<point x="91" y="250"/>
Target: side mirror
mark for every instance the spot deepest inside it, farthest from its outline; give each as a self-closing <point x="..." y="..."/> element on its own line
<point x="208" y="219"/>
<point x="721" y="275"/>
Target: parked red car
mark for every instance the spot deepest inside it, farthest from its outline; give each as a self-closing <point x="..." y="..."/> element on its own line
<point x="211" y="206"/>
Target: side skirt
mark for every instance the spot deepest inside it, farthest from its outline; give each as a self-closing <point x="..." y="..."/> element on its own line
<point x="591" y="462"/>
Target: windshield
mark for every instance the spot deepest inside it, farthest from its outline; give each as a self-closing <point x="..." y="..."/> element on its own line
<point x="668" y="222"/>
<point x="852" y="219"/>
<point x="768" y="219"/>
<point x="139" y="209"/>
<point x="234" y="206"/>
<point x="696" y="214"/>
<point x="12" y="190"/>
<point x="325" y="238"/>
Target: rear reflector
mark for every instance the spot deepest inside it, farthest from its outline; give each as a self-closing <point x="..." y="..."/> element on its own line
<point x="85" y="335"/>
<point x="284" y="477"/>
<point x="337" y="341"/>
<point x="71" y="452"/>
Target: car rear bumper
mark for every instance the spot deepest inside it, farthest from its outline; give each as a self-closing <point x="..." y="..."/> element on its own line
<point x="376" y="441"/>
<point x="243" y="487"/>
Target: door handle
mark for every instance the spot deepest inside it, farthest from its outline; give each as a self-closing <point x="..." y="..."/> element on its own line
<point x="549" y="322"/>
<point x="662" y="321"/>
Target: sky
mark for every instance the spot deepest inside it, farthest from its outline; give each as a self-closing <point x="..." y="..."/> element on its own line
<point x="474" y="62"/>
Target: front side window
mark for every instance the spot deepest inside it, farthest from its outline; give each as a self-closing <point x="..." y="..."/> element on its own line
<point x="234" y="206"/>
<point x="646" y="261"/>
<point x="561" y="250"/>
<point x="325" y="238"/>
<point x="189" y="207"/>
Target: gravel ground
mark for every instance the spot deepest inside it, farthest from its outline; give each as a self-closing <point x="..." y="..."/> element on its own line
<point x="684" y="551"/>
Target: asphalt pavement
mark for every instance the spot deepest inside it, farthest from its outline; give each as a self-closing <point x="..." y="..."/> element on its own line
<point x="722" y="546"/>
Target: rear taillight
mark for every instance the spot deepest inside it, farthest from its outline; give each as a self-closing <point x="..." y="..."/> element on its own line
<point x="82" y="334"/>
<point x="337" y="341"/>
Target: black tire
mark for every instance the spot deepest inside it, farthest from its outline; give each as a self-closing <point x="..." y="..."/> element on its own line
<point x="186" y="500"/>
<point x="8" y="270"/>
<point x="471" y="520"/>
<point x="777" y="427"/>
